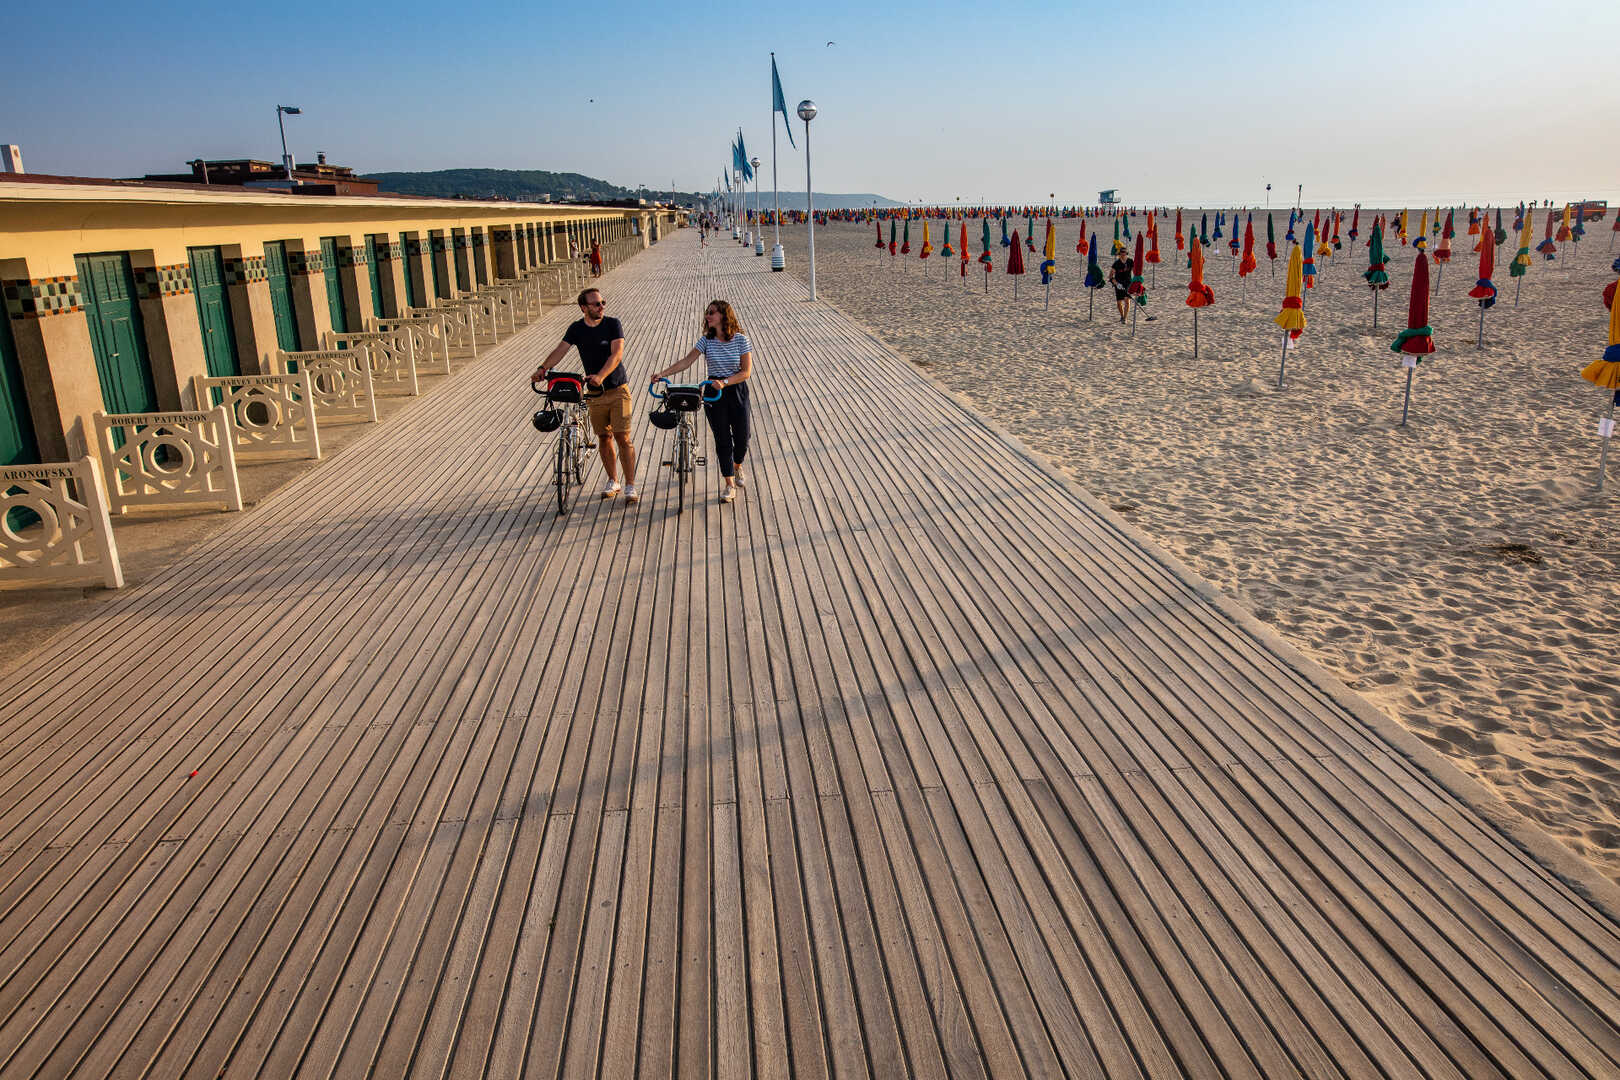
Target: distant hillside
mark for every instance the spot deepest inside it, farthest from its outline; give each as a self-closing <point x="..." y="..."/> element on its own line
<point x="522" y="185"/>
<point x="534" y="185"/>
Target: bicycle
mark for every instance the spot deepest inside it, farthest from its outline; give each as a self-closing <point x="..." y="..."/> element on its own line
<point x="572" y="425"/>
<point x="680" y="404"/>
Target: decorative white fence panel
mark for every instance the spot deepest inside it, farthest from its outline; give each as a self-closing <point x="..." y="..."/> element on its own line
<point x="272" y="416"/>
<point x="529" y="304"/>
<point x="508" y="302"/>
<point x="168" y="460"/>
<point x="430" y="339"/>
<point x="69" y="537"/>
<point x="458" y="324"/>
<point x="392" y="357"/>
<point x="339" y="383"/>
<point x="481" y="313"/>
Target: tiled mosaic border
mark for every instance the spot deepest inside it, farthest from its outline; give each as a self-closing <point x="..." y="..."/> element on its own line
<point x="42" y="297"/>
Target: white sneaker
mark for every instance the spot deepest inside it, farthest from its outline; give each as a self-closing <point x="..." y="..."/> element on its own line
<point x="728" y="494"/>
<point x="611" y="490"/>
<point x="630" y="495"/>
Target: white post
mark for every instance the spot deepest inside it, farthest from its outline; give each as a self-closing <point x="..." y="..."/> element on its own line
<point x="810" y="211"/>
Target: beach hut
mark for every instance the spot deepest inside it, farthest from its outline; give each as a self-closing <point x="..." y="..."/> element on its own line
<point x="1417" y="340"/>
<point x="1484" y="289"/>
<point x="1605" y="372"/>
<point x="1094" y="279"/>
<point x="1292" y="316"/>
<point x="1199" y="295"/>
<point x="1015" y="262"/>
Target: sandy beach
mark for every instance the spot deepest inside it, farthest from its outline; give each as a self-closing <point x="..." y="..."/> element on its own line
<point x="1461" y="572"/>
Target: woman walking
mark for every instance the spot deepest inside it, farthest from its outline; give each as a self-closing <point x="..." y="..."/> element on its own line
<point x="729" y="361"/>
<point x="596" y="258"/>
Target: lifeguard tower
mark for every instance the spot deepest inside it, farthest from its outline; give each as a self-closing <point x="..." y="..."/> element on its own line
<point x="1109" y="197"/>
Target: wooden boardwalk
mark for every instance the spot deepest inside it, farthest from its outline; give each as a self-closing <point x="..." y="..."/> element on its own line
<point x="913" y="762"/>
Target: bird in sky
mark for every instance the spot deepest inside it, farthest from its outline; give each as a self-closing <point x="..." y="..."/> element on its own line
<point x="830" y="44"/>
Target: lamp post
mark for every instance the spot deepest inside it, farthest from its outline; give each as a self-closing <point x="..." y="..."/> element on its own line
<point x="284" y="111"/>
<point x="807" y="113"/>
<point x="759" y="232"/>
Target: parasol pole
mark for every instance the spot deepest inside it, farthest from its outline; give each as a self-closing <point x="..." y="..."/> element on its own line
<point x="1134" y="306"/>
<point x="1090" y="303"/>
<point x="1195" y="333"/>
<point x="1282" y="364"/>
<point x="1410" y="363"/>
<point x="1606" y="431"/>
<point x="1479" y="340"/>
<point x="1518" y="283"/>
<point x="1048" y="297"/>
<point x="1375" y="309"/>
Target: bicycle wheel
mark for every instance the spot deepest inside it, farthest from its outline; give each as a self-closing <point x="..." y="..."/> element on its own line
<point x="683" y="464"/>
<point x="579" y="452"/>
<point x="564" y="477"/>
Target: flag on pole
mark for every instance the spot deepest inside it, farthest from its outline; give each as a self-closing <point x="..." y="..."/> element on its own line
<point x="742" y="158"/>
<point x="779" y="103"/>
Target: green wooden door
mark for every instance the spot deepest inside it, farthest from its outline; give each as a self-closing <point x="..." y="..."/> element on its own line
<point x="281" y="302"/>
<point x="334" y="288"/>
<point x="17" y="445"/>
<point x="411" y="297"/>
<point x="436" y="244"/>
<point x="213" y="311"/>
<point x="117" y="334"/>
<point x="376" y="275"/>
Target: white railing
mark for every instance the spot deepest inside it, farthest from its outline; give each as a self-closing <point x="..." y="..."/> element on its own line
<point x="339" y="382"/>
<point x="168" y="460"/>
<point x="430" y="339"/>
<point x="483" y="315"/>
<point x="392" y="357"/>
<point x="272" y="416"/>
<point x="69" y="537"/>
<point x="458" y="323"/>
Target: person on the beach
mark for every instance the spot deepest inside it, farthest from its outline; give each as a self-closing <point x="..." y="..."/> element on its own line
<point x="1120" y="274"/>
<point x="596" y="258"/>
<point x="600" y="341"/>
<point x="729" y="361"/>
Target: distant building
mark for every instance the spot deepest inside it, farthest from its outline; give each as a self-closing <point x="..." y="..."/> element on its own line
<point x="1109" y="197"/>
<point x="318" y="178"/>
<point x="10" y="158"/>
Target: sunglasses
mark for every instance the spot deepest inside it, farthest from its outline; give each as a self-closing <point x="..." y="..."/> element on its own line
<point x="594" y="303"/>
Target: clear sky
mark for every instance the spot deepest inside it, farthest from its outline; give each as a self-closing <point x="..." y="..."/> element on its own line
<point x="1381" y="102"/>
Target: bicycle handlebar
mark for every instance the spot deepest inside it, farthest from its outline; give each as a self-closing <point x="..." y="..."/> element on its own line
<point x="555" y="377"/>
<point x="698" y="387"/>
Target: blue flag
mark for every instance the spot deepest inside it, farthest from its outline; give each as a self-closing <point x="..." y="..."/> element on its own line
<point x="779" y="103"/>
<point x="742" y="158"/>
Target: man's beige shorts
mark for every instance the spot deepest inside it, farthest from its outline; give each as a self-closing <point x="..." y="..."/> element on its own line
<point x="610" y="411"/>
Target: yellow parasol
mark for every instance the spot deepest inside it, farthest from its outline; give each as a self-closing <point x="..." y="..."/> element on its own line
<point x="1605" y="371"/>
<point x="1292" y="316"/>
<point x="1422" y="240"/>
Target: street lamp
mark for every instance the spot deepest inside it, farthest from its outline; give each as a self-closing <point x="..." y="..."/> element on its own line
<point x="282" y="111"/>
<point x="759" y="233"/>
<point x="807" y="113"/>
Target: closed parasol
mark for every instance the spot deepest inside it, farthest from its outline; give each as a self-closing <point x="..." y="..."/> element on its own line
<point x="1605" y="372"/>
<point x="1292" y="316"/>
<point x="1417" y="340"/>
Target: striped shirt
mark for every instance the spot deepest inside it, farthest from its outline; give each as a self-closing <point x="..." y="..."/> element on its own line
<point x="724" y="357"/>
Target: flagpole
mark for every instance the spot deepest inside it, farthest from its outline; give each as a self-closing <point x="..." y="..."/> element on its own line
<point x="778" y="259"/>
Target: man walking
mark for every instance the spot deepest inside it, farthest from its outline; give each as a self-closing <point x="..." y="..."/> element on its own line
<point x="600" y="341"/>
